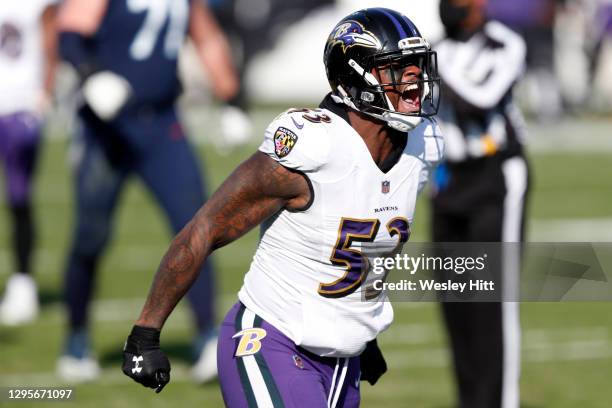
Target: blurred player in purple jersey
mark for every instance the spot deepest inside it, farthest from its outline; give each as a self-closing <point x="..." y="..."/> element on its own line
<point x="125" y="53"/>
<point x="27" y="67"/>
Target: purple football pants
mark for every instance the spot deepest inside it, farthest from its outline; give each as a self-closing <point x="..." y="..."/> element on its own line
<point x="19" y="137"/>
<point x="260" y="367"/>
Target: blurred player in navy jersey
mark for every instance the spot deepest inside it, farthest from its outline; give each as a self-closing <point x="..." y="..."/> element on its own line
<point x="27" y="68"/>
<point x="125" y="53"/>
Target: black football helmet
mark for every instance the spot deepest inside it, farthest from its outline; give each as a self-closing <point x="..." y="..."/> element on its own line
<point x="375" y="40"/>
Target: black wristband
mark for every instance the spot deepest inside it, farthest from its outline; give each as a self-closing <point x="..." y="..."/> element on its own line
<point x="77" y="50"/>
<point x="238" y="100"/>
<point x="144" y="338"/>
<point x="145" y="333"/>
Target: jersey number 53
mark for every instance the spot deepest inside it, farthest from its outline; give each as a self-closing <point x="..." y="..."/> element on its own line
<point x="356" y="263"/>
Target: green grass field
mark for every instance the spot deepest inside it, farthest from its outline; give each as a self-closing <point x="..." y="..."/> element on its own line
<point x="567" y="347"/>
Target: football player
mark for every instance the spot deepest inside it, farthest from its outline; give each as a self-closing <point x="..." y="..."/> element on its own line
<point x="325" y="185"/>
<point x="27" y="72"/>
<point x="125" y="53"/>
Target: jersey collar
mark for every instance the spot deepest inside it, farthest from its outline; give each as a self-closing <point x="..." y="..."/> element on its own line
<point x="340" y="110"/>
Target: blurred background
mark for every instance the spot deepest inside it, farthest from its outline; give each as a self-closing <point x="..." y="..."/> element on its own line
<point x="566" y="95"/>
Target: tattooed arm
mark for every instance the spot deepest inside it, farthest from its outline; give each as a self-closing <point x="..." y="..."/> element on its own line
<point x="257" y="189"/>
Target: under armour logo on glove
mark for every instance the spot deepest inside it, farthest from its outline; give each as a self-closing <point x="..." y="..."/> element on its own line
<point x="143" y="360"/>
<point x="136" y="368"/>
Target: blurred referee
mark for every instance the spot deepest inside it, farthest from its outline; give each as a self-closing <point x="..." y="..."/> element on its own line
<point x="481" y="190"/>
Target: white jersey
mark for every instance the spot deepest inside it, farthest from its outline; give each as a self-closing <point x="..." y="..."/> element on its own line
<point x="305" y="276"/>
<point x="21" y="59"/>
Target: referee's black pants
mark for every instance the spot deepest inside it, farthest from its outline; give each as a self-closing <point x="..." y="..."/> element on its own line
<point x="484" y="201"/>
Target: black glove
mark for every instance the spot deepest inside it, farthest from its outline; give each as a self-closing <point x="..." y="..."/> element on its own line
<point x="144" y="361"/>
<point x="372" y="362"/>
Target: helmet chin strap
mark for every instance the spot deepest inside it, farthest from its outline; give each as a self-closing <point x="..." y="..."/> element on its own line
<point x="401" y="122"/>
<point x="345" y="99"/>
<point x="395" y="120"/>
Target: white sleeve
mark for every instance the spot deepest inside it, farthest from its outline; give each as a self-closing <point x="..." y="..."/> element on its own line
<point x="296" y="143"/>
<point x="505" y="66"/>
<point x="46" y="3"/>
<point x="427" y="144"/>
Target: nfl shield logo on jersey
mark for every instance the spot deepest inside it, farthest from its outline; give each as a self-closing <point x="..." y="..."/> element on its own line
<point x="284" y="140"/>
<point x="386" y="186"/>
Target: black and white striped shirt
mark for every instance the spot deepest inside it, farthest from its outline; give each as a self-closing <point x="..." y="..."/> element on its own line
<point x="477" y="113"/>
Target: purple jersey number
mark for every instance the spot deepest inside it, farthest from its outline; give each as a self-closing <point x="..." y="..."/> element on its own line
<point x="357" y="230"/>
<point x="312" y="115"/>
<point x="399" y="226"/>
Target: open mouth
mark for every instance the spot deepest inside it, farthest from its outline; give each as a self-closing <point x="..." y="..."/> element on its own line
<point x="410" y="99"/>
